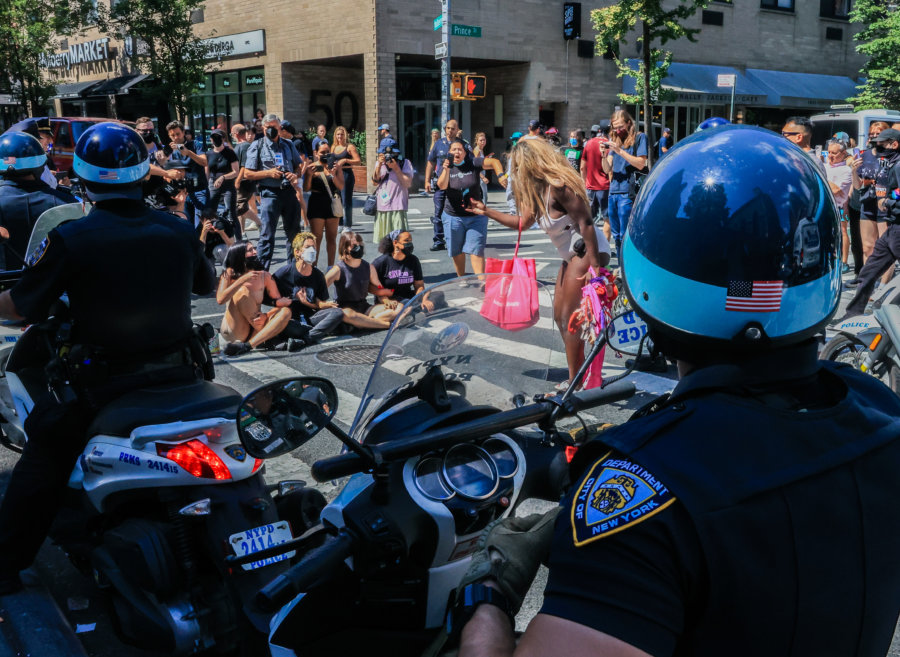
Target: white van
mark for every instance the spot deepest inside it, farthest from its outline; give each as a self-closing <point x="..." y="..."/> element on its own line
<point x="855" y="124"/>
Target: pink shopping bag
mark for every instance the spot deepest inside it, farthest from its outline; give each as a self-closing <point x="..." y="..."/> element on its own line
<point x="511" y="302"/>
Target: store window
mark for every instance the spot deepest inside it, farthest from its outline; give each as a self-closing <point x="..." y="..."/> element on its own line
<point x="782" y="5"/>
<point x="835" y="9"/>
<point x="228" y="97"/>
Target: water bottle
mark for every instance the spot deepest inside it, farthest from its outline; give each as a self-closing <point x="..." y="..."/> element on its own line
<point x="214" y="347"/>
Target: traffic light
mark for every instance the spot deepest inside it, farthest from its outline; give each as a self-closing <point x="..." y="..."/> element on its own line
<point x="474" y="86"/>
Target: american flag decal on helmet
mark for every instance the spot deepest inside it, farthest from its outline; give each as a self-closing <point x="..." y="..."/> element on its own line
<point x="754" y="296"/>
<point x="108" y="175"/>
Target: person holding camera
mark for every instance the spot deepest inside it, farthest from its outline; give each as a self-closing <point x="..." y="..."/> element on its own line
<point x="180" y="156"/>
<point x="274" y="164"/>
<point x="222" y="164"/>
<point x="323" y="178"/>
<point x="214" y="232"/>
<point x="465" y="231"/>
<point x="393" y="177"/>
<point x="152" y="187"/>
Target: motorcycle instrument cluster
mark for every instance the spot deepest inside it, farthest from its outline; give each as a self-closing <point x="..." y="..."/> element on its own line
<point x="471" y="472"/>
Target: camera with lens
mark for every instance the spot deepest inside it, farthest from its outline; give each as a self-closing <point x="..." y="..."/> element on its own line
<point x="392" y="155"/>
<point x="285" y="183"/>
<point x="218" y="223"/>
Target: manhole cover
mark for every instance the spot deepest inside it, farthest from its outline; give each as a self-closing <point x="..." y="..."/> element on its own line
<point x="354" y="354"/>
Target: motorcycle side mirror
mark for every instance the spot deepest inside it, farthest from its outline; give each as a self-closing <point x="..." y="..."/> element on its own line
<point x="282" y="416"/>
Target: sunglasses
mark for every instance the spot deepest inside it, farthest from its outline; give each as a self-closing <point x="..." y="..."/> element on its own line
<point x="790" y="134"/>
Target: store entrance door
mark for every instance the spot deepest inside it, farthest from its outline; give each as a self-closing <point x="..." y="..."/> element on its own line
<point x="416" y="120"/>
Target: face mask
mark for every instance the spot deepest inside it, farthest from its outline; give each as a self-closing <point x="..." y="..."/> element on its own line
<point x="408" y="248"/>
<point x="216" y="140"/>
<point x="573" y="141"/>
<point x="323" y="159"/>
<point x="147" y="136"/>
<point x="623" y="132"/>
<point x="309" y="255"/>
<point x="272" y="133"/>
<point x="357" y="251"/>
<point x="253" y="263"/>
<point x="879" y="148"/>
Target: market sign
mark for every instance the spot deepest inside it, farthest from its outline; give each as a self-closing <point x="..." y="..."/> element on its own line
<point x="233" y="45"/>
<point x="78" y="53"/>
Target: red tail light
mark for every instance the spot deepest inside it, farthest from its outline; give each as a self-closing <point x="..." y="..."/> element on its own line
<point x="197" y="458"/>
<point x="570" y="453"/>
<point x="257" y="464"/>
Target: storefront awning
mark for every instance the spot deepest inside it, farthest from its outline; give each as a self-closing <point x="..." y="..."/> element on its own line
<point x="117" y="86"/>
<point x="803" y="89"/>
<point x="698" y="83"/>
<point x="69" y="90"/>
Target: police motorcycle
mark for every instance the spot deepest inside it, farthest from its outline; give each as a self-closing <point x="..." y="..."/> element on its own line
<point x="452" y="433"/>
<point x="162" y="494"/>
<point x="869" y="342"/>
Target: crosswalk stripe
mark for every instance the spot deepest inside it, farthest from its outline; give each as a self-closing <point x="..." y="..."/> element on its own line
<point x="266" y="370"/>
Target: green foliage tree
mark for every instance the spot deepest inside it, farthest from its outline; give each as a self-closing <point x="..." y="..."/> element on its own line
<point x="614" y="25"/>
<point x="165" y="46"/>
<point x="29" y="29"/>
<point x="879" y="40"/>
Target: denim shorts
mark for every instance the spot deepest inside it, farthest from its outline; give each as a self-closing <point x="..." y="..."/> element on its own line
<point x="465" y="234"/>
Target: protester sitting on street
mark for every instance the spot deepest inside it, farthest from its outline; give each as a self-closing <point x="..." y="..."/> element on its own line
<point x="840" y="179"/>
<point x="324" y="179"/>
<point x="304" y="284"/>
<point x="353" y="278"/>
<point x="393" y="176"/>
<point x="223" y="168"/>
<point x="464" y="231"/>
<point x="242" y="288"/>
<point x="551" y="193"/>
<point x="399" y="271"/>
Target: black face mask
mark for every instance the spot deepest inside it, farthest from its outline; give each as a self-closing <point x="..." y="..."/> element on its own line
<point x="357" y="251"/>
<point x="216" y="140"/>
<point x="323" y="159"/>
<point x="147" y="136"/>
<point x="880" y="149"/>
<point x="408" y="248"/>
<point x="272" y="133"/>
<point x="253" y="263"/>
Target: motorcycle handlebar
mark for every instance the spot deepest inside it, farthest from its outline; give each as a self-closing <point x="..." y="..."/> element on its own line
<point x="304" y="574"/>
<point x="348" y="464"/>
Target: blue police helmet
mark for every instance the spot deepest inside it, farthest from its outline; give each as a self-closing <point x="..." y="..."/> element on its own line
<point x="21" y="155"/>
<point x="733" y="244"/>
<point x="712" y="122"/>
<point x="111" y="159"/>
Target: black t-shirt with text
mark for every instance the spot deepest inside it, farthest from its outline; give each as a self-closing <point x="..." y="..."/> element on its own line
<point x="399" y="275"/>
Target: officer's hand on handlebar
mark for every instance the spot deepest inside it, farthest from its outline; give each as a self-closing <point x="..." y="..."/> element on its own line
<point x="509" y="553"/>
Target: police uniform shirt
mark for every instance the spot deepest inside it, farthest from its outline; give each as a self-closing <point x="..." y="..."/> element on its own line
<point x="722" y="523"/>
<point x="129" y="272"/>
<point x="265" y="154"/>
<point x="21" y="203"/>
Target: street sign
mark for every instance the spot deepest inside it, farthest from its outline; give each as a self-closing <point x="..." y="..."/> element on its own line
<point x="440" y="50"/>
<point x="466" y="30"/>
<point x="438" y="22"/>
<point x="724" y="80"/>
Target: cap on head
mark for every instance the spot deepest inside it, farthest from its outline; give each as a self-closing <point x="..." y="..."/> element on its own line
<point x="516" y="135"/>
<point x="595" y="128"/>
<point x="552" y="131"/>
<point x="384" y="126"/>
<point x="388" y="144"/>
<point x="287" y="125"/>
<point x="888" y="134"/>
<point x="534" y="124"/>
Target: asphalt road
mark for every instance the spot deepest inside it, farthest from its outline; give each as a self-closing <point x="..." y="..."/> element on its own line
<point x="75" y="594"/>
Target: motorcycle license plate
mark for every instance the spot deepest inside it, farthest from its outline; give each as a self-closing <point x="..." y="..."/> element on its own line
<point x="260" y="538"/>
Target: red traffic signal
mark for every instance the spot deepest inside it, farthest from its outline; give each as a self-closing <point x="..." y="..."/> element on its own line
<point x="475" y="86"/>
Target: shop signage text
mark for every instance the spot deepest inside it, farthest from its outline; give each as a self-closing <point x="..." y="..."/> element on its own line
<point x="78" y="53"/>
<point x="232" y="45"/>
<point x="748" y="99"/>
<point x="253" y="80"/>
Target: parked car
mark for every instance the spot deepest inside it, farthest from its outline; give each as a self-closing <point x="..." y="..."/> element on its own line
<point x="66" y="131"/>
<point x="855" y="124"/>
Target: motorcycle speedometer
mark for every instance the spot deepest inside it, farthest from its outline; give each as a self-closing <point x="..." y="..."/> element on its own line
<point x="504" y="457"/>
<point x="470" y="472"/>
<point x="430" y="481"/>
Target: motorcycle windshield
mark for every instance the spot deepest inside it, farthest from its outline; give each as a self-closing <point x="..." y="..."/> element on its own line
<point x="495" y="336"/>
<point x="52" y="218"/>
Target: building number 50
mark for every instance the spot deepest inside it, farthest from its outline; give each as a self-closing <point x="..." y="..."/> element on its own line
<point x="336" y="115"/>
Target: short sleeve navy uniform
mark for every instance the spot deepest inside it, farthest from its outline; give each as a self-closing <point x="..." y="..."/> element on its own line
<point x="264" y="154"/>
<point x="129" y="272"/>
<point x="21" y="203"/>
<point x="740" y="516"/>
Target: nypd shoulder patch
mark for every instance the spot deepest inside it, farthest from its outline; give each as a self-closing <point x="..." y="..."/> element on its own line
<point x="616" y="494"/>
<point x="38" y="252"/>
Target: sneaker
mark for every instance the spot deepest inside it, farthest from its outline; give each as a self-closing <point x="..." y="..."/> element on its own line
<point x="852" y="283"/>
<point x="236" y="348"/>
<point x="845" y="268"/>
<point x="295" y="344"/>
<point x="438" y="247"/>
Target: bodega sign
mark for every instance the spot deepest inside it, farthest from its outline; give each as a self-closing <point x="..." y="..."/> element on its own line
<point x="233" y="45"/>
<point x="78" y="53"/>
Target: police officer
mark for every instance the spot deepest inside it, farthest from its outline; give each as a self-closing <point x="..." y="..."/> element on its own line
<point x="23" y="195"/>
<point x="274" y="163"/>
<point x="887" y="247"/>
<point x="754" y="510"/>
<point x="129" y="272"/>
